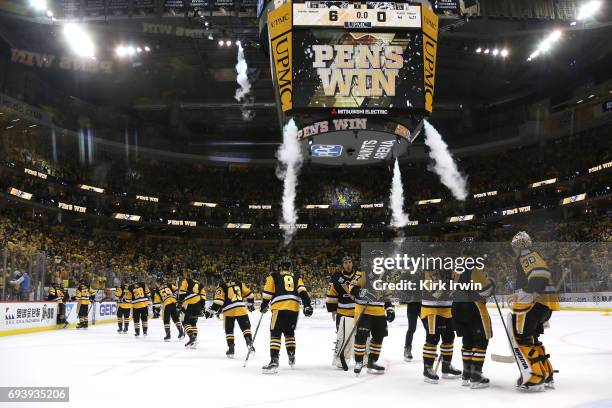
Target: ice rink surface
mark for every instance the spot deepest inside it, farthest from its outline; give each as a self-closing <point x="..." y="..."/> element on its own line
<point x="105" y="369"/>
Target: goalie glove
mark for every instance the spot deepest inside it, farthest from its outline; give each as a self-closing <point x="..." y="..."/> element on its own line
<point x="521" y="302"/>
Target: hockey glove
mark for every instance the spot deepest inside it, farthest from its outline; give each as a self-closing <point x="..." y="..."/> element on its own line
<point x="362" y="293"/>
<point x="390" y="314"/>
<point x="308" y="310"/>
<point x="208" y="313"/>
<point x="251" y="307"/>
<point x="264" y="306"/>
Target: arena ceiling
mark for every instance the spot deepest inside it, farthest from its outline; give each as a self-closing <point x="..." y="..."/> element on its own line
<point x="182" y="91"/>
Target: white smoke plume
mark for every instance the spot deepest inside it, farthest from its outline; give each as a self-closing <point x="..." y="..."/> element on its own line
<point x="290" y="157"/>
<point x="399" y="218"/>
<point x="444" y="165"/>
<point x="242" y="93"/>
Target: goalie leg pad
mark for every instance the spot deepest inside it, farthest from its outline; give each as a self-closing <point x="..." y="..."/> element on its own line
<point x="345" y="327"/>
<point x="530" y="359"/>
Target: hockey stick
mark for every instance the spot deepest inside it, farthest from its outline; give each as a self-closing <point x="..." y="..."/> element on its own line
<point x="253" y="342"/>
<point x="438" y="363"/>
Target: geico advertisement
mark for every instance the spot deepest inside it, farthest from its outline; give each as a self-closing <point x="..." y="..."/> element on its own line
<point x="102" y="311"/>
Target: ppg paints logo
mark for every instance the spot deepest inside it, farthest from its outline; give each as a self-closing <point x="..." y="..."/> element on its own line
<point x="108" y="309"/>
<point x="323" y="150"/>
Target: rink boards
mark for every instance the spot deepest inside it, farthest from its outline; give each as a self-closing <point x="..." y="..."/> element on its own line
<point x="28" y="317"/>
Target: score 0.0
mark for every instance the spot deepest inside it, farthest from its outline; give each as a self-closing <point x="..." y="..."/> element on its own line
<point x="381" y="16"/>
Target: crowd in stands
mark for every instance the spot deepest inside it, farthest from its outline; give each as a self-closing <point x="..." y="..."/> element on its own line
<point x="50" y="252"/>
<point x="233" y="186"/>
<point x="49" y="249"/>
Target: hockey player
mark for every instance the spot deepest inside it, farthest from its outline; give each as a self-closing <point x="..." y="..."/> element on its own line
<point x="436" y="315"/>
<point x="166" y="298"/>
<point x="57" y="293"/>
<point x="341" y="304"/>
<point x="141" y="296"/>
<point x="472" y="323"/>
<point x="234" y="299"/>
<point x="191" y="304"/>
<point x="156" y="298"/>
<point x="532" y="304"/>
<point x="123" y="296"/>
<point x="84" y="296"/>
<point x="282" y="293"/>
<point x="413" y="309"/>
<point x="372" y="317"/>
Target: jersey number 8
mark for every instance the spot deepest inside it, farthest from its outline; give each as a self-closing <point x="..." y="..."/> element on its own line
<point x="289" y="286"/>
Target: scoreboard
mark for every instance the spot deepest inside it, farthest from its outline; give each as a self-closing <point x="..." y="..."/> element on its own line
<point x="357" y="76"/>
<point x="355" y="15"/>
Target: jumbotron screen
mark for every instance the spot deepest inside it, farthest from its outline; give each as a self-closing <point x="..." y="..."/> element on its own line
<point x="360" y="55"/>
<point x="347" y="69"/>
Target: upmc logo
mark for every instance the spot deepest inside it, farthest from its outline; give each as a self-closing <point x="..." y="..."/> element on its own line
<point x="321" y="150"/>
<point x="108" y="309"/>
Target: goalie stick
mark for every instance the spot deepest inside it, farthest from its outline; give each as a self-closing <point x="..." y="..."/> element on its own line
<point x="514" y="357"/>
<point x="348" y="338"/>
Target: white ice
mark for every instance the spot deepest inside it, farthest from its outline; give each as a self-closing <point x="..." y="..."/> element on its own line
<point x="104" y="369"/>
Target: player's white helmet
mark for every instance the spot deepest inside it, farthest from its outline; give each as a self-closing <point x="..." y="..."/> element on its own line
<point x="521" y="241"/>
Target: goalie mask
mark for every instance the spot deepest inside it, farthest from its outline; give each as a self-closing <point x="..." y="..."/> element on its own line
<point x="521" y="241"/>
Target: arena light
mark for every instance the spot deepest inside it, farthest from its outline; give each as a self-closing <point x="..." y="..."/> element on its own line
<point x="546" y="44"/>
<point x="79" y="40"/>
<point x="588" y="10"/>
<point x="495" y="52"/>
<point x="228" y="43"/>
<point x="221" y="42"/>
<point x="478" y="50"/>
<point x="39" y="5"/>
<point x="147" y="49"/>
<point x="120" y="51"/>
<point x="486" y="51"/>
<point x="504" y="53"/>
